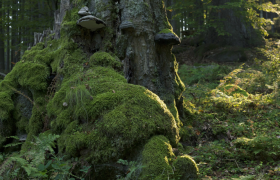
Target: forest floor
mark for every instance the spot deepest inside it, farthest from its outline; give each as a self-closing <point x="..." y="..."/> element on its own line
<point x="234" y="130"/>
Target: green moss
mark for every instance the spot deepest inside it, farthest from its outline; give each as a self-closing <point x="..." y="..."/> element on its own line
<point x="39" y="46"/>
<point x="104" y="59"/>
<point x="69" y="25"/>
<point x="107" y="40"/>
<point x="261" y="147"/>
<point x="110" y="114"/>
<point x="67" y="58"/>
<point x="121" y="45"/>
<point x="157" y="159"/>
<point x="231" y="89"/>
<point x="22" y="124"/>
<point x="166" y="31"/>
<point x="32" y="75"/>
<point x="173" y="109"/>
<point x="6" y="105"/>
<point x="186" y="167"/>
<point x="189" y="113"/>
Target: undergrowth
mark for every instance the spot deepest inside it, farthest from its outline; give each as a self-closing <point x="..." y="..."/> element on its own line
<point x="39" y="162"/>
<point x="236" y="132"/>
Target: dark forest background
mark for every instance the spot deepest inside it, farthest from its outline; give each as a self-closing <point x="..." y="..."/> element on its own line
<point x="19" y="19"/>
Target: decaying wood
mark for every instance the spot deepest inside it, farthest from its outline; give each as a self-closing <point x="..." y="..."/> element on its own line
<point x="2" y="74"/>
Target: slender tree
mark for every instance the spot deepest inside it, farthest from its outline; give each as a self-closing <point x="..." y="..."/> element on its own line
<point x="14" y="31"/>
<point x="8" y="67"/>
<point x="2" y="55"/>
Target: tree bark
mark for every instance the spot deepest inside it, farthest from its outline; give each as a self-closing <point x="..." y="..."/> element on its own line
<point x="2" y="54"/>
<point x="14" y="31"/>
<point x="173" y="22"/>
<point x="8" y="68"/>
<point x="199" y="15"/>
<point x="147" y="63"/>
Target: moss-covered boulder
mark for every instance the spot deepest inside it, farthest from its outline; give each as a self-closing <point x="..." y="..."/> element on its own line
<point x="99" y="111"/>
<point x="160" y="162"/>
<point x="104" y="59"/>
<point x="186" y="168"/>
<point x="81" y="94"/>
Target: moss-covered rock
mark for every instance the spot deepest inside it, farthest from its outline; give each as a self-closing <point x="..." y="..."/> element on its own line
<point x="104" y="59"/>
<point x="105" y="114"/>
<point x="157" y="158"/>
<point x="186" y="168"/>
<point x="159" y="162"/>
<point x="32" y="75"/>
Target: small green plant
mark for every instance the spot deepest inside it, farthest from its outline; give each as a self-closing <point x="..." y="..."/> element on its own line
<point x="39" y="161"/>
<point x="133" y="167"/>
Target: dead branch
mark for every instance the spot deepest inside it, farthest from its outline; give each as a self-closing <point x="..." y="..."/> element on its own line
<point x="2" y="74"/>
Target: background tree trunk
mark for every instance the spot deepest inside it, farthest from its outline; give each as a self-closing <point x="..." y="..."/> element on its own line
<point x="8" y="67"/>
<point x="14" y="31"/>
<point x="2" y="53"/>
<point x="242" y="33"/>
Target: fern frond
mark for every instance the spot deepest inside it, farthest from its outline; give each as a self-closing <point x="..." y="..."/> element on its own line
<point x="12" y="144"/>
<point x="6" y="164"/>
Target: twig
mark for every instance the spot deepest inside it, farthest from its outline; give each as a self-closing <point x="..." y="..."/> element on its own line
<point x="2" y="74"/>
<point x="233" y="160"/>
<point x="193" y="96"/>
<point x="163" y="171"/>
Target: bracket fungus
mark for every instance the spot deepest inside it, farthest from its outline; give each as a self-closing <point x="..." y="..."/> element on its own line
<point x="127" y="25"/>
<point x="167" y="38"/>
<point x="91" y="22"/>
<point x="84" y="11"/>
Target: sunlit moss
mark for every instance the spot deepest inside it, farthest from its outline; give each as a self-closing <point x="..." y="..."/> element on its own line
<point x="186" y="167"/>
<point x="157" y="158"/>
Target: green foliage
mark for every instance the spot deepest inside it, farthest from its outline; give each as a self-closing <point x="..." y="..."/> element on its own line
<point x="132" y="165"/>
<point x="201" y="12"/>
<point x="235" y="136"/>
<point x="201" y="74"/>
<point x="38" y="162"/>
<point x="231" y="89"/>
<point x="160" y="161"/>
<point x="167" y="31"/>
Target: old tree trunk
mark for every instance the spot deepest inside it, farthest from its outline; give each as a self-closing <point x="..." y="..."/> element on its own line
<point x="105" y="80"/>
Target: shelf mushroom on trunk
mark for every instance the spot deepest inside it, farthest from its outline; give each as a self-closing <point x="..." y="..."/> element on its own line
<point x="84" y="11"/>
<point x="91" y="22"/>
<point x="167" y="37"/>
